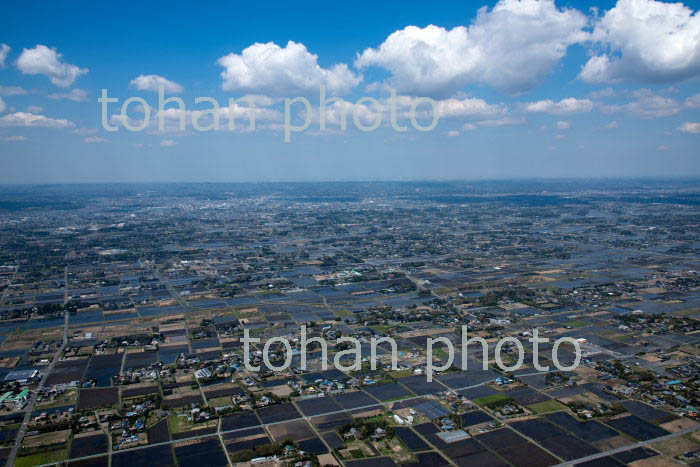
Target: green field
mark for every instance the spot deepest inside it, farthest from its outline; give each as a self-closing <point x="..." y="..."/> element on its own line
<point x="547" y="406"/>
<point x="490" y="399"/>
<point x="41" y="458"/>
<point x="220" y="401"/>
<point x="401" y="373"/>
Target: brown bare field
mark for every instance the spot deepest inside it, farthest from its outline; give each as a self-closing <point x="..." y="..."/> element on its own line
<point x="694" y="436"/>
<point x="165" y="345"/>
<point x="655" y="290"/>
<point x="281" y="391"/>
<point x="9" y="362"/>
<point x="54" y="437"/>
<point x="223" y="313"/>
<point x="114" y="330"/>
<point x="183" y="378"/>
<point x="675" y="446"/>
<point x="184" y="391"/>
<point x="116" y="312"/>
<point x="19" y="340"/>
<point x="172" y="326"/>
<point x="368" y="413"/>
<point x="657" y="461"/>
<point x="613" y="443"/>
<point x="678" y="425"/>
<point x="689" y="349"/>
<point x="297" y="430"/>
<point x="95" y="330"/>
<point x="328" y="459"/>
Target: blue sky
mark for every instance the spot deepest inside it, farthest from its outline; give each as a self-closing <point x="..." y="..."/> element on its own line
<point x="523" y="88"/>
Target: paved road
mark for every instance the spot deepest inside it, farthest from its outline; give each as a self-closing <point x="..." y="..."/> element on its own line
<point x="32" y="401"/>
<point x="611" y="452"/>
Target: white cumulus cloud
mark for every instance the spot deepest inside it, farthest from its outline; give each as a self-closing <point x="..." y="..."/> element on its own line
<point x="602" y="93"/>
<point x="470" y="108"/>
<point x="511" y="47"/>
<point x="693" y="102"/>
<point x="505" y="121"/>
<point x="563" y="125"/>
<point x="283" y="71"/>
<point x="84" y="131"/>
<point x="647" y="105"/>
<point x="645" y="41"/>
<point x="95" y="139"/>
<point x="4" y="52"/>
<point x="76" y="95"/>
<point x="570" y="105"/>
<point x="2" y="105"/>
<point x="151" y="83"/>
<point x="690" y="127"/>
<point x="42" y="60"/>
<point x="26" y="119"/>
<point x="166" y="143"/>
<point x="15" y="138"/>
<point x="12" y="91"/>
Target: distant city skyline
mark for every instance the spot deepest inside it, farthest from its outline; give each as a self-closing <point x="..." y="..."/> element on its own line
<point x="525" y="89"/>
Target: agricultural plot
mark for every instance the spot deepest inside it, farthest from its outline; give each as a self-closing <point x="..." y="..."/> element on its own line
<point x="589" y="431"/>
<point x="97" y="397"/>
<point x="278" y="413"/>
<point x="248" y="439"/>
<point x="331" y="421"/>
<point x="568" y="447"/>
<point x="353" y="400"/>
<point x="318" y="405"/>
<point x="387" y="392"/>
<point x="637" y="428"/>
<point x="411" y="439"/>
<point x="67" y="371"/>
<point x="103" y="367"/>
<point x="89" y="444"/>
<point x="297" y="430"/>
<point x="207" y="452"/>
<point x="474" y="417"/>
<point x="239" y="421"/>
<point x="527" y="455"/>
<point x="313" y="445"/>
<point x="156" y="455"/>
<point x="537" y="429"/>
<point x="418" y="385"/>
<point x="159" y="433"/>
<point x="138" y="360"/>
